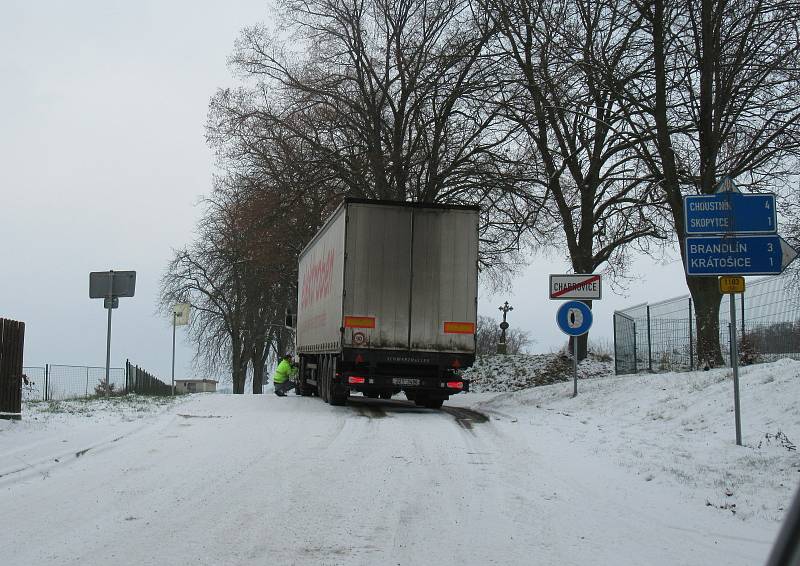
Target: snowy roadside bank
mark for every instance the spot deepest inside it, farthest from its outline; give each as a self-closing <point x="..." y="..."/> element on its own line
<point x="678" y="429"/>
<point x="52" y="431"/>
<point x="514" y="372"/>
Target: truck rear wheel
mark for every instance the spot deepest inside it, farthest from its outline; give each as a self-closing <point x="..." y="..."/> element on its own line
<point x="332" y="393"/>
<point x="322" y="378"/>
<point x="337" y="395"/>
<point x="302" y="387"/>
<point x="385" y="395"/>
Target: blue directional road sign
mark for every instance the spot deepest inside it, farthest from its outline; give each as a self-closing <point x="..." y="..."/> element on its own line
<point x="730" y="212"/>
<point x="738" y="255"/>
<point x="574" y="318"/>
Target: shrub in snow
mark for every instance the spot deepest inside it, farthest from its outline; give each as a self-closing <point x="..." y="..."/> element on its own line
<point x="748" y="354"/>
<point x="100" y="389"/>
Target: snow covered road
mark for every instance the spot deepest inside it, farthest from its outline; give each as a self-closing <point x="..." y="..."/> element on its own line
<point x="223" y="479"/>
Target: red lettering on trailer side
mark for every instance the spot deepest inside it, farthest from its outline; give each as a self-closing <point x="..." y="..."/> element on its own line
<point x="318" y="279"/>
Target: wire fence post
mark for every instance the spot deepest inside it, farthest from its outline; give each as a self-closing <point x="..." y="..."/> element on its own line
<point x="87" y="382"/>
<point x="616" y="353"/>
<point x="741" y="297"/>
<point x="46" y="380"/>
<point x="649" y="344"/>
<point x="691" y="337"/>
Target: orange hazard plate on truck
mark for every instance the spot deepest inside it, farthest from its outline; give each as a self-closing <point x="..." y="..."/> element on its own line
<point x="459" y="328"/>
<point x="359" y="322"/>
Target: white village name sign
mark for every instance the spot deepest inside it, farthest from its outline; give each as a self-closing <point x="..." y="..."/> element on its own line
<point x="576" y="286"/>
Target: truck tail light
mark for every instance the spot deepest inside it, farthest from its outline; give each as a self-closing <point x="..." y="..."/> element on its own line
<point x="455" y="384"/>
<point x="355" y="379"/>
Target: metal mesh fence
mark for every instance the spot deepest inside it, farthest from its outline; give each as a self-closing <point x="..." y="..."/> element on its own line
<point x="58" y="382"/>
<point x="33" y="390"/>
<point x="661" y="336"/>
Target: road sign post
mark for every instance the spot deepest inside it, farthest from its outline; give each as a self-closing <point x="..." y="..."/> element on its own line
<point x="180" y="317"/>
<point x="731" y="284"/>
<point x="574" y="318"/>
<point x="574" y="315"/>
<point x="572" y="286"/>
<point x="733" y="234"/>
<point x="730" y="212"/>
<point x="736" y="254"/>
<point x="110" y="286"/>
<point x="735" y="367"/>
<point x="109" y="301"/>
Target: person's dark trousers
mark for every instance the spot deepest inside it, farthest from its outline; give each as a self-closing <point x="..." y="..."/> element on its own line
<point x="282" y="388"/>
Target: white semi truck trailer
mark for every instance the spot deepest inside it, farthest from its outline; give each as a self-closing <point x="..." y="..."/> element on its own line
<point x="387" y="302"/>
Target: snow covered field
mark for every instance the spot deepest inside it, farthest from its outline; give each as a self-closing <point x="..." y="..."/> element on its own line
<point x="635" y="470"/>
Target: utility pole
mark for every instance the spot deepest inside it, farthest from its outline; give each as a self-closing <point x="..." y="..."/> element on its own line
<point x="502" y="347"/>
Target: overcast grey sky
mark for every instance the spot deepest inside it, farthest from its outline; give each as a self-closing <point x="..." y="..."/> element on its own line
<point x="103" y="162"/>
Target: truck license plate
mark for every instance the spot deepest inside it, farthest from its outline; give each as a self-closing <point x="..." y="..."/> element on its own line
<point x="405" y="381"/>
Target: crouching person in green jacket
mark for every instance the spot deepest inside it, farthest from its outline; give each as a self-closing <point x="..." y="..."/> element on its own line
<point x="283" y="376"/>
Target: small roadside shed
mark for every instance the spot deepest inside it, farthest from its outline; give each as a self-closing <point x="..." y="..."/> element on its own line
<point x="195" y="385"/>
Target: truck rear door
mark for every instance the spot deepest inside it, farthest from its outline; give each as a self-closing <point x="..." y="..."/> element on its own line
<point x="444" y="285"/>
<point x="377" y="276"/>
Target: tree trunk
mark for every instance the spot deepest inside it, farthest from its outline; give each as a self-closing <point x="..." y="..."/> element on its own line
<point x="707" y="299"/>
<point x="238" y="380"/>
<point x="238" y="368"/>
<point x="704" y="290"/>
<point x="258" y="373"/>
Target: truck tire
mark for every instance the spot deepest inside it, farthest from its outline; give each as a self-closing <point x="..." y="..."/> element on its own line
<point x="322" y="378"/>
<point x="337" y="394"/>
<point x="302" y="387"/>
<point x="385" y="395"/>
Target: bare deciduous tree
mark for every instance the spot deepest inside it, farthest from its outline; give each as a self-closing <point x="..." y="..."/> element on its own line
<point x="577" y="132"/>
<point x="397" y="94"/>
<point x="718" y="93"/>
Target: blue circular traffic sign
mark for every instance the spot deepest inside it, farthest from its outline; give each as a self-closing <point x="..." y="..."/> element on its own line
<point x="574" y="318"/>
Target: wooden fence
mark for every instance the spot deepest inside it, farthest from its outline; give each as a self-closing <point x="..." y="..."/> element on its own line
<point x="12" y="339"/>
<point x="139" y="381"/>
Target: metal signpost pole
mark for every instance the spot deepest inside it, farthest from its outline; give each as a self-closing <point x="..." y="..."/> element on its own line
<point x="174" y="317"/>
<point x="574" y="318"/>
<point x="108" y="336"/>
<point x="737" y="235"/>
<point x="575" y="366"/>
<point x="735" y="366"/>
<point x="102" y="286"/>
